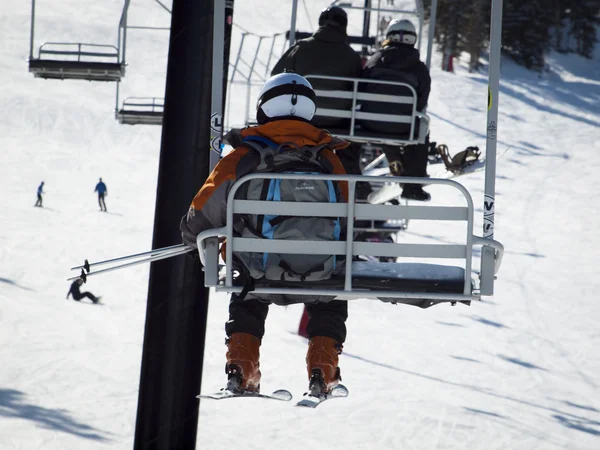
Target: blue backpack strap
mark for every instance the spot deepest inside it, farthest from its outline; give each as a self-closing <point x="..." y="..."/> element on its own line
<point x="255" y="141"/>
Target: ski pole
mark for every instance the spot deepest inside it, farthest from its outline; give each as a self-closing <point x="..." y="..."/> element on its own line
<point x="153" y="257"/>
<point x="157" y="251"/>
<point x="374" y="163"/>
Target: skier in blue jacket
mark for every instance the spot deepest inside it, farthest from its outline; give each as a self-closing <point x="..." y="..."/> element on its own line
<point x="101" y="190"/>
<point x="40" y="191"/>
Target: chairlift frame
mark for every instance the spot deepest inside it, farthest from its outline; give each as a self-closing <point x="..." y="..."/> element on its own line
<point x="138" y="110"/>
<point x="420" y="284"/>
<point x="492" y="250"/>
<point x="354" y="115"/>
<point x="94" y="62"/>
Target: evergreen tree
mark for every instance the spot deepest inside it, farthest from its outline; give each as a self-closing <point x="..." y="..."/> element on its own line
<point x="529" y="28"/>
<point x="526" y="32"/>
<point x="583" y="21"/>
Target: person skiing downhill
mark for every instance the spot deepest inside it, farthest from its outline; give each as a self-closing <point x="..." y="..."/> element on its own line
<point x="102" y="192"/>
<point x="40" y="191"/>
<point x="285" y="108"/>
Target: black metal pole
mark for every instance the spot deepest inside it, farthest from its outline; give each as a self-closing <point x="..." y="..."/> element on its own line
<point x="366" y="25"/>
<point x="227" y="46"/>
<point x="173" y="350"/>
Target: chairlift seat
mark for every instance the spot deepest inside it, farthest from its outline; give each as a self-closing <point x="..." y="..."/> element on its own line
<point x="141" y="111"/>
<point x="76" y="70"/>
<point x="380" y="226"/>
<point x="77" y="61"/>
<point x="375" y="278"/>
<point x="132" y="117"/>
<point x="415" y="280"/>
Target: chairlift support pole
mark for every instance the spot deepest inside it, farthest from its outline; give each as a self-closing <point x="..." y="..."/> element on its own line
<point x="432" y="19"/>
<point x="32" y="29"/>
<point x="366" y="25"/>
<point x="488" y="253"/>
<point x="292" y="37"/>
<point x="123" y="26"/>
<point x="216" y="101"/>
<point x="177" y="306"/>
<point x="421" y="17"/>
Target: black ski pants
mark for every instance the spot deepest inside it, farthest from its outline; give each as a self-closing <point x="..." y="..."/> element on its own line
<point x="101" y="202"/>
<point x="350" y="159"/>
<point x="325" y="319"/>
<point x="412" y="159"/>
<point x="78" y="297"/>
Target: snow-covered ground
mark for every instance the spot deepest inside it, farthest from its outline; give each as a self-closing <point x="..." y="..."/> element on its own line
<point x="517" y="371"/>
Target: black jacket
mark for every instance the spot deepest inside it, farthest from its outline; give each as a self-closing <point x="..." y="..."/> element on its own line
<point x="396" y="62"/>
<point x="74" y="291"/>
<point x="326" y="52"/>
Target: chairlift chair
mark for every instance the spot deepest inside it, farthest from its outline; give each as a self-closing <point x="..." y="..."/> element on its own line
<point x="419" y="283"/>
<point x="141" y="110"/>
<point x="78" y="60"/>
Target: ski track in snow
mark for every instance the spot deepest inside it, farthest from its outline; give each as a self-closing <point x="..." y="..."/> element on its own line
<point x="515" y="371"/>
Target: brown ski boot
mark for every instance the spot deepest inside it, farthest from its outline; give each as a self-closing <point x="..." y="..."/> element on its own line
<point x="322" y="364"/>
<point x="242" y="366"/>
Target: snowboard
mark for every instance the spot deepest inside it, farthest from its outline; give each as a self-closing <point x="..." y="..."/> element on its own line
<point x="391" y="191"/>
<point x="280" y="394"/>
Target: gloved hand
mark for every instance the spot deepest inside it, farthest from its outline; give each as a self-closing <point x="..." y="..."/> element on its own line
<point x="188" y="239"/>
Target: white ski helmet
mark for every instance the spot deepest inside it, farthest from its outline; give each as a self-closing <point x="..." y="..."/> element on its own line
<point x="401" y="31"/>
<point x="286" y="95"/>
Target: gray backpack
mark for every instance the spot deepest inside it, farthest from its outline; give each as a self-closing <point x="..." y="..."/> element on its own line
<point x="292" y="159"/>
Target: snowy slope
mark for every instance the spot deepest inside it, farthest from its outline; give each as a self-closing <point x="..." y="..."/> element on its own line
<point x="518" y="371"/>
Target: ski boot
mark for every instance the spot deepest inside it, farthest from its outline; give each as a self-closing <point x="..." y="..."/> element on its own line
<point x="242" y="368"/>
<point x="322" y="364"/>
<point x="415" y="192"/>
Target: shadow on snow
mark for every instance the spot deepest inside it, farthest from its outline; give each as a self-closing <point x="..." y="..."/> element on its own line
<point x="12" y="405"/>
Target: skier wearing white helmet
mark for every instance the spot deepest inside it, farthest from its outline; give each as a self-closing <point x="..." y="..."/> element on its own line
<point x="398" y="60"/>
<point x="283" y="141"/>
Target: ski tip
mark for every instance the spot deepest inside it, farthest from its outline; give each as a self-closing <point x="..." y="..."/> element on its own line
<point x="282" y="394"/>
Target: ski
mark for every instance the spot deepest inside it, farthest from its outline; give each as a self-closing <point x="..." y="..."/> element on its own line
<point x="312" y="401"/>
<point x="280" y="394"/>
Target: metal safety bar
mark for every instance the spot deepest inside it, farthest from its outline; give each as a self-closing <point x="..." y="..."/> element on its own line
<point x="209" y="250"/>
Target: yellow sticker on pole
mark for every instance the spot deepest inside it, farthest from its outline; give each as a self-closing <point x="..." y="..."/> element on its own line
<point x="489" y="98"/>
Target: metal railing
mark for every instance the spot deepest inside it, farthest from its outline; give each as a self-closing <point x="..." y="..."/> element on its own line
<point x="208" y="244"/>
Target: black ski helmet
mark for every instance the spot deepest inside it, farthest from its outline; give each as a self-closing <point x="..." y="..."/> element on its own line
<point x="334" y="15"/>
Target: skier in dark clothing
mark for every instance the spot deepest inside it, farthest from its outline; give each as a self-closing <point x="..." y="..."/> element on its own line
<point x="40" y="191"/>
<point x="327" y="52"/>
<point x="101" y="190"/>
<point x="399" y="61"/>
<point x="77" y="295"/>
